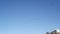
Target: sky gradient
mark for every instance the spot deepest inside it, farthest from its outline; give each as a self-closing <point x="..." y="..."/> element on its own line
<point x="29" y="16"/>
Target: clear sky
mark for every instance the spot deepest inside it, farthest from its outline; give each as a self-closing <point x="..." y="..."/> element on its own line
<point x="29" y="16"/>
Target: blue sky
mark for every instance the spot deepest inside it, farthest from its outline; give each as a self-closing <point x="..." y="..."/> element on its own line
<point x="29" y="16"/>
